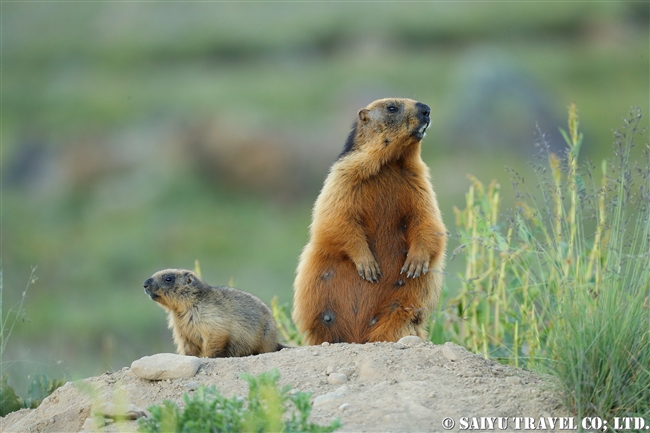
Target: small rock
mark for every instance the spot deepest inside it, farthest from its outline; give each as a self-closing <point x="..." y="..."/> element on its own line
<point x="92" y="424"/>
<point x="344" y="406"/>
<point x="451" y="352"/>
<point x="326" y="398"/>
<point x="166" y="366"/>
<point x="325" y="344"/>
<point x="191" y="386"/>
<point x="337" y="378"/>
<point x="399" y="345"/>
<point x="410" y="340"/>
<point x="347" y="371"/>
<point x="329" y="370"/>
<point x="431" y="395"/>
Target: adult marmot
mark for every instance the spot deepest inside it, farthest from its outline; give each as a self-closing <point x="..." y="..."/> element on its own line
<point x="372" y="270"/>
<point x="212" y="321"/>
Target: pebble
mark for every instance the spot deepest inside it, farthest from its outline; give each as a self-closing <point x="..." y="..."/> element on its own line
<point x="329" y="370"/>
<point x="347" y="371"/>
<point x="451" y="352"/>
<point x="191" y="386"/>
<point x="166" y="366"/>
<point x="344" y="406"/>
<point x="325" y="344"/>
<point x="410" y="340"/>
<point x="91" y="424"/>
<point x="326" y="398"/>
<point x="399" y="345"/>
<point x="337" y="378"/>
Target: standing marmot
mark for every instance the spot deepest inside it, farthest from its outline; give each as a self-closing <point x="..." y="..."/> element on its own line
<point x="212" y="321"/>
<point x="372" y="270"/>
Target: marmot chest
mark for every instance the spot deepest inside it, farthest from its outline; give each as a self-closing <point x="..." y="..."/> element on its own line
<point x="385" y="202"/>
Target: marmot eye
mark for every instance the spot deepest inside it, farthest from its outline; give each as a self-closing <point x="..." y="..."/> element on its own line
<point x="169" y="279"/>
<point x="392" y="108"/>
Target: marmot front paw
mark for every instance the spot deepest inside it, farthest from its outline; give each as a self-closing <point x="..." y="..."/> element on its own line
<point x="369" y="270"/>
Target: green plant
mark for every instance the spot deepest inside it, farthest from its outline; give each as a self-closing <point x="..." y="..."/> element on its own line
<point x="565" y="280"/>
<point x="286" y="327"/>
<point x="600" y="339"/>
<point x="7" y="327"/>
<point x="208" y="411"/>
<point x="496" y="310"/>
<point x="41" y="385"/>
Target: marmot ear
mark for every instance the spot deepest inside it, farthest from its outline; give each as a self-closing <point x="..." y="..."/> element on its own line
<point x="189" y="278"/>
<point x="363" y="115"/>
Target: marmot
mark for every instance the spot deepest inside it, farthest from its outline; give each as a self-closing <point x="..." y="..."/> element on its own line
<point x="372" y="270"/>
<point x="212" y="321"/>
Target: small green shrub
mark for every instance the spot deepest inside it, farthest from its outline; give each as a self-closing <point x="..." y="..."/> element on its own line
<point x="263" y="411"/>
<point x="40" y="387"/>
<point x="9" y="400"/>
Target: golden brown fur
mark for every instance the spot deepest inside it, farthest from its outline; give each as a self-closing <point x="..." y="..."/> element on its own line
<point x="372" y="270"/>
<point x="212" y="321"/>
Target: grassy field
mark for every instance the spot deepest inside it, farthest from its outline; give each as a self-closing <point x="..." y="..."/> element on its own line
<point x="120" y="122"/>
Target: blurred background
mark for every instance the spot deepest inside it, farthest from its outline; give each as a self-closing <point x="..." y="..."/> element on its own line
<point x="142" y="136"/>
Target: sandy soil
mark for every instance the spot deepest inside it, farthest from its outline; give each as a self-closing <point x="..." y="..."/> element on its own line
<point x="389" y="387"/>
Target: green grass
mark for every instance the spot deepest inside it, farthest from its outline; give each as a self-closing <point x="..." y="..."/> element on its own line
<point x="600" y="338"/>
<point x="40" y="386"/>
<point x="266" y="409"/>
<point x="563" y="282"/>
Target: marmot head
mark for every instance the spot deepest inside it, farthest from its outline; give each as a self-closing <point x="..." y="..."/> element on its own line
<point x="172" y="287"/>
<point x="389" y="126"/>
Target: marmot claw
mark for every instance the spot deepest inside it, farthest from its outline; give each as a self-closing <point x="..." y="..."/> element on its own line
<point x="369" y="271"/>
<point x="415" y="268"/>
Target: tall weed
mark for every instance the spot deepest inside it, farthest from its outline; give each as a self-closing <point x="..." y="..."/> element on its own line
<point x="564" y="279"/>
<point x="41" y="385"/>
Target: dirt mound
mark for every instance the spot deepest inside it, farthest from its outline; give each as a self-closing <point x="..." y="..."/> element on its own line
<point x="370" y="387"/>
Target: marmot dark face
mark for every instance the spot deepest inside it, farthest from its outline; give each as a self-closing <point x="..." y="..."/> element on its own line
<point x="389" y="126"/>
<point x="397" y="117"/>
<point x="171" y="286"/>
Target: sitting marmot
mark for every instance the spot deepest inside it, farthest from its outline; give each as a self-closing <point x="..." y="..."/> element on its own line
<point x="372" y="270"/>
<point x="212" y="321"/>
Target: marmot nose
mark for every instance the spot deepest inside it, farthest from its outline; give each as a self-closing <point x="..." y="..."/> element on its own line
<point x="147" y="283"/>
<point x="423" y="109"/>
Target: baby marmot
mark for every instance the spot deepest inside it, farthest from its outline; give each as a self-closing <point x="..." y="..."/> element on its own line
<point x="212" y="321"/>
